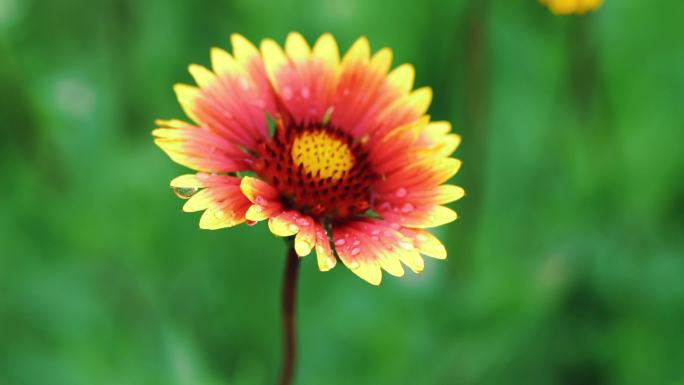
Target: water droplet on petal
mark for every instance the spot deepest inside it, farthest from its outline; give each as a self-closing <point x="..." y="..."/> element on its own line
<point x="407" y="208"/>
<point x="260" y="200"/>
<point x="356" y="242"/>
<point x="185" y="192"/>
<point x="244" y="83"/>
<point x="375" y="232"/>
<point x="258" y="208"/>
<point x="355" y="251"/>
<point x="293" y="228"/>
<point x="401" y="192"/>
<point x="421" y="238"/>
<point x="306" y="93"/>
<point x="395" y="226"/>
<point x="287" y="93"/>
<point x="353" y="265"/>
<point x="340" y="242"/>
<point x="406" y="245"/>
<point x="303" y="222"/>
<point x="375" y="238"/>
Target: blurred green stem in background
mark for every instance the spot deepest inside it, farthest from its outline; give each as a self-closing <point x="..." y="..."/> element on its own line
<point x="289" y="301"/>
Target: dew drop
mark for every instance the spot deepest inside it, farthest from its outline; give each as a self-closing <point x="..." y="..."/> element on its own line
<point x="421" y="238"/>
<point x="306" y="93"/>
<point x="375" y="232"/>
<point x="405" y="245"/>
<point x="375" y="238"/>
<point x="260" y="200"/>
<point x="287" y="93"/>
<point x="353" y="265"/>
<point x="340" y="242"/>
<point x="258" y="208"/>
<point x="302" y="221"/>
<point x="395" y="226"/>
<point x="407" y="208"/>
<point x="356" y="242"/>
<point x="185" y="192"/>
<point x="355" y="251"/>
<point x="244" y="83"/>
<point x="401" y="192"/>
<point x="293" y="228"/>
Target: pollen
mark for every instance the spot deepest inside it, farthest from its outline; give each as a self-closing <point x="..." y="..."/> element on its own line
<point x="321" y="154"/>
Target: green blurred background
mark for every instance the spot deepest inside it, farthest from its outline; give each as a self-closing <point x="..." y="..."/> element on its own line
<point x="566" y="267"/>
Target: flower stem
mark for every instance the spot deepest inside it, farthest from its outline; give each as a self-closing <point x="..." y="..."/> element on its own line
<point x="289" y="330"/>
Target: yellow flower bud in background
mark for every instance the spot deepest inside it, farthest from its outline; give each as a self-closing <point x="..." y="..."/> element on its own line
<point x="569" y="7"/>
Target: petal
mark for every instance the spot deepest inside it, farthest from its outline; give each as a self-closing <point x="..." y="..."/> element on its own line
<point x="324" y="254"/>
<point x="426" y="243"/>
<point x="223" y="63"/>
<point x="221" y="199"/>
<point x="258" y="191"/>
<point x="197" y="148"/>
<point x="326" y="49"/>
<point x="304" y="81"/>
<point x="234" y="99"/>
<point x="285" y="224"/>
<point x="407" y="199"/>
<point x="418" y="217"/>
<point x="203" y="77"/>
<point x="402" y="78"/>
<point x="305" y="240"/>
<point x="265" y="199"/>
<point x="187" y="97"/>
<point x="425" y="173"/>
<point x="369" y="101"/>
<point x="296" y="47"/>
<point x="367" y="246"/>
<point x="201" y="180"/>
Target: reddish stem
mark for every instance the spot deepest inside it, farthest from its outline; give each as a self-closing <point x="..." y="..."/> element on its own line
<point x="289" y="329"/>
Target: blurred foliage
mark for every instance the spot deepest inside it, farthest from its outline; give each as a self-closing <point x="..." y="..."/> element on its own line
<point x="566" y="267"/>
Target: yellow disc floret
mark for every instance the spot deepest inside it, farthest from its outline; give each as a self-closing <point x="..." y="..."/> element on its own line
<point x="322" y="154"/>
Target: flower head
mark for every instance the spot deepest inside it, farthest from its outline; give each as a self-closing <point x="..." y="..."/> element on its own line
<point x="568" y="7"/>
<point x="339" y="154"/>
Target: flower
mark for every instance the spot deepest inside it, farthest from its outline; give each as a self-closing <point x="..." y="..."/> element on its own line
<point x="567" y="7"/>
<point x="354" y="168"/>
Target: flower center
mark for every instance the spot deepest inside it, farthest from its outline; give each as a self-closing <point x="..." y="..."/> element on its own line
<point x="321" y="154"/>
<point x="318" y="170"/>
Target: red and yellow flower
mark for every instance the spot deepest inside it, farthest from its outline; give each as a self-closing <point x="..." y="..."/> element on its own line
<point x="568" y="7"/>
<point x="338" y="154"/>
